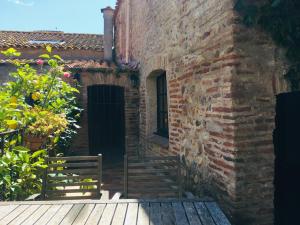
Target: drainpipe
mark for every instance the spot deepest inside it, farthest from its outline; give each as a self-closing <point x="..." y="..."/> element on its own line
<point x="108" y="15"/>
<point x="127" y="29"/>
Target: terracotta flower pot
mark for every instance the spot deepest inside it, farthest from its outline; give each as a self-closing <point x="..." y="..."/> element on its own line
<point x="34" y="143"/>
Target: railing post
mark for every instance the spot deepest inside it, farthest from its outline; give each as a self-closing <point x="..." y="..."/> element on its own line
<point x="44" y="184"/>
<point x="1" y="145"/>
<point x="100" y="175"/>
<point x="22" y="137"/>
<point x="179" y="177"/>
<point x="125" y="176"/>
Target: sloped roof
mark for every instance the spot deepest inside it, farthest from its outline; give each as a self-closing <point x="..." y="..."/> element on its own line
<point x="88" y="64"/>
<point x="57" y="39"/>
<point x="71" y="64"/>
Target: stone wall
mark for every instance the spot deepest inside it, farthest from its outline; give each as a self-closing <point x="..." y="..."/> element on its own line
<point x="80" y="144"/>
<point x="222" y="81"/>
<point x="257" y="79"/>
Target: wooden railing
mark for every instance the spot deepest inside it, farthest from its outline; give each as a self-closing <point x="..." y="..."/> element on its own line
<point x="66" y="177"/>
<point x="152" y="175"/>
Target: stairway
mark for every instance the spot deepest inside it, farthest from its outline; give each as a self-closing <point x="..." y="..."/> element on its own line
<point x="112" y="179"/>
<point x="153" y="177"/>
<point x="146" y="178"/>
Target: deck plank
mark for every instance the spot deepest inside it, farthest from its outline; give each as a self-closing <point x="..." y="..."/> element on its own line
<point x="217" y="214"/>
<point x="168" y="217"/>
<point x="6" y="209"/>
<point x="131" y="215"/>
<point x="36" y="215"/>
<point x="143" y="214"/>
<point x="24" y="215"/>
<point x="13" y="214"/>
<point x="84" y="214"/>
<point x="61" y="213"/>
<point x="191" y="213"/>
<point x="114" y="212"/>
<point x="179" y="212"/>
<point x="120" y="214"/>
<point x="96" y="214"/>
<point x="72" y="214"/>
<point x="204" y="213"/>
<point x="108" y="214"/>
<point x="155" y="214"/>
<point x="48" y="214"/>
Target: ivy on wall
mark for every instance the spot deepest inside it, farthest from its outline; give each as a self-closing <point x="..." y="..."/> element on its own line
<point x="281" y="20"/>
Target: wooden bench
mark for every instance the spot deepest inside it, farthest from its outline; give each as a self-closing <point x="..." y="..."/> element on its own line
<point x="77" y="177"/>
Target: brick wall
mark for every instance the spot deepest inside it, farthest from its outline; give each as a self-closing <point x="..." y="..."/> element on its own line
<point x="257" y="78"/>
<point x="222" y="81"/>
<point x="80" y="144"/>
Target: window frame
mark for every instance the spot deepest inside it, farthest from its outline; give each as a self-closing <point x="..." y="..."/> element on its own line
<point x="162" y="106"/>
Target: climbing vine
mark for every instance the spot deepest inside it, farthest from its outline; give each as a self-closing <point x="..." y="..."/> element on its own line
<point x="132" y="74"/>
<point x="281" y="20"/>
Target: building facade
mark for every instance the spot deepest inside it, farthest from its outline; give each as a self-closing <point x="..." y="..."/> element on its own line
<point x="207" y="91"/>
<point x="221" y="82"/>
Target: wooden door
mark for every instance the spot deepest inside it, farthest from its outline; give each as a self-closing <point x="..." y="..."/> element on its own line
<point x="106" y="121"/>
<point x="287" y="161"/>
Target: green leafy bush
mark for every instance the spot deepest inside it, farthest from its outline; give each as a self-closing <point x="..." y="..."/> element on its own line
<point x="281" y="20"/>
<point x="21" y="173"/>
<point x="45" y="88"/>
<point x="41" y="101"/>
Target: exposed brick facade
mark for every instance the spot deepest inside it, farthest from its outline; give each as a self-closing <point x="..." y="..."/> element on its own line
<point x="222" y="81"/>
<point x="81" y="142"/>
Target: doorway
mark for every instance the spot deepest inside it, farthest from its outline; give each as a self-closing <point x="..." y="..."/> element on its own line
<point x="106" y="121"/>
<point x="287" y="159"/>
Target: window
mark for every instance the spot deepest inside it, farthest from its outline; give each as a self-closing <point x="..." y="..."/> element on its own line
<point x="162" y="106"/>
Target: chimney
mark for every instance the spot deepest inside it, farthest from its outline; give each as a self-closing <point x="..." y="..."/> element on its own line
<point x="108" y="15"/>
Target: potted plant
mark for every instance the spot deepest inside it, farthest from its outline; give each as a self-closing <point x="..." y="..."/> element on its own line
<point x="44" y="127"/>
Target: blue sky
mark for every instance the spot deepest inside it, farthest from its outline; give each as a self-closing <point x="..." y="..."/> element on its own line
<point x="75" y="16"/>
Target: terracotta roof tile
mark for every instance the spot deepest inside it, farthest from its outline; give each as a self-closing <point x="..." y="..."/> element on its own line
<point x="56" y="39"/>
<point x="88" y="64"/>
<point x="72" y="64"/>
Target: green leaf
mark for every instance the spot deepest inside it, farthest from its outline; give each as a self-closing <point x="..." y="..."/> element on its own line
<point x="58" y="57"/>
<point x="11" y="52"/>
<point x="76" y="126"/>
<point x="45" y="56"/>
<point x="21" y="149"/>
<point x="38" y="153"/>
<point x="52" y="63"/>
<point x="49" y="48"/>
<point x="43" y="166"/>
<point x="24" y="166"/>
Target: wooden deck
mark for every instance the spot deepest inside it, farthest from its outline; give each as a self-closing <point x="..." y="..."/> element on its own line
<point x="120" y="212"/>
